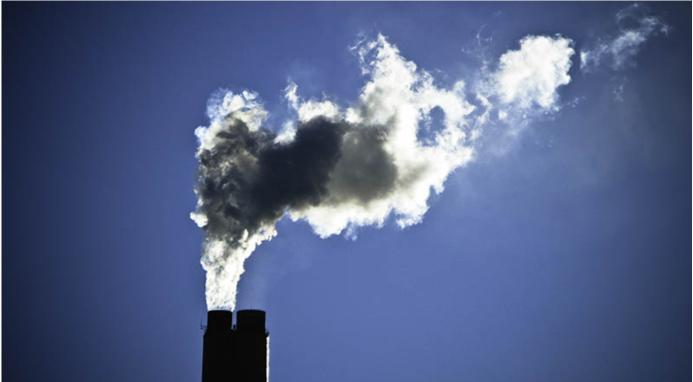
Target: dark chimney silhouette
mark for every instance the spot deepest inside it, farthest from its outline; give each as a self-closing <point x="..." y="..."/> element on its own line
<point x="237" y="353"/>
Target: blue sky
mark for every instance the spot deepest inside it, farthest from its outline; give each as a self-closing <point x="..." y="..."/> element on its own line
<point x="559" y="253"/>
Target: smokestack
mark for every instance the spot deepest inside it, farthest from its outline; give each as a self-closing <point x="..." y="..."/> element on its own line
<point x="235" y="353"/>
<point x="217" y="347"/>
<point x="251" y="344"/>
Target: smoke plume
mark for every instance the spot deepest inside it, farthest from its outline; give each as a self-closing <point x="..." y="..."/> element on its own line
<point x="340" y="168"/>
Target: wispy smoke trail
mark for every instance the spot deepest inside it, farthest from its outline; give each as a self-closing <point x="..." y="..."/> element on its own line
<point x="635" y="27"/>
<point x="341" y="168"/>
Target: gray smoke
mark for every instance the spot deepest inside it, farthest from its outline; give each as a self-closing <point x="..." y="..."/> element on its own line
<point x="267" y="178"/>
<point x="326" y="162"/>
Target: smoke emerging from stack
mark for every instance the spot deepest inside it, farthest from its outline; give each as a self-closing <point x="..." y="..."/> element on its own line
<point x="340" y="168"/>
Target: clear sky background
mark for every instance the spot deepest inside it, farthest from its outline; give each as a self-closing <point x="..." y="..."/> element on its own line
<point x="566" y="258"/>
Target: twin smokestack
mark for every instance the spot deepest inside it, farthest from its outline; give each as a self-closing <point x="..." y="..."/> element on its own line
<point x="239" y="352"/>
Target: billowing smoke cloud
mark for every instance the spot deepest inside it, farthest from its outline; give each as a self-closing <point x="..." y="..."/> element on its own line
<point x="340" y="168"/>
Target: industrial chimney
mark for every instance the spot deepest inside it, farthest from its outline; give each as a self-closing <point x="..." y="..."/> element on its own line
<point x="237" y="353"/>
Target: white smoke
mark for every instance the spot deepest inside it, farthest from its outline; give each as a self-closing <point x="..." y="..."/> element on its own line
<point x="530" y="76"/>
<point x="357" y="165"/>
<point x="636" y="26"/>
